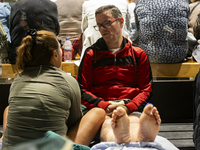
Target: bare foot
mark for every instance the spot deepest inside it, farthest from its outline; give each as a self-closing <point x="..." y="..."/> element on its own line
<point x="121" y="125"/>
<point x="149" y="124"/>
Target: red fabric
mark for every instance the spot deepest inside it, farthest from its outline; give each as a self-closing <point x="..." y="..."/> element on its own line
<point x="77" y="45"/>
<point x="105" y="80"/>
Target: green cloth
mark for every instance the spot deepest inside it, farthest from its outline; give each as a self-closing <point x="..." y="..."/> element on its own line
<point x="50" y="141"/>
<point x="83" y="107"/>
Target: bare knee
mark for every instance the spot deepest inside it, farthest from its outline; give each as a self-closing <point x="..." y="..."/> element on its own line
<point x="98" y="112"/>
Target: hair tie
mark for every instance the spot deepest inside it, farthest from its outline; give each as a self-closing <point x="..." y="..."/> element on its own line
<point x="33" y="34"/>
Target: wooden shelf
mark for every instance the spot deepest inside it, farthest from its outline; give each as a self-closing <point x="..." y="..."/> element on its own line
<point x="8" y="71"/>
<point x="185" y="69"/>
<point x="70" y="67"/>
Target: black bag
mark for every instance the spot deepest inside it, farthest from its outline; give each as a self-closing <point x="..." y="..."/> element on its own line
<point x="196" y="111"/>
<point x="192" y="43"/>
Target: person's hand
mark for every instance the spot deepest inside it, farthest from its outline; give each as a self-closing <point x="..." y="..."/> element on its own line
<point x="126" y="108"/>
<point x="111" y="107"/>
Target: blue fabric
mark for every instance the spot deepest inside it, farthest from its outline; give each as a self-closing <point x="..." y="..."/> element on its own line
<point x="148" y="104"/>
<point x="160" y="143"/>
<point x="0" y="144"/>
<point x="115" y="146"/>
<point x="5" y="16"/>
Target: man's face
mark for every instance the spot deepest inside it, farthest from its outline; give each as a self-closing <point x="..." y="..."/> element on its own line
<point x="113" y="33"/>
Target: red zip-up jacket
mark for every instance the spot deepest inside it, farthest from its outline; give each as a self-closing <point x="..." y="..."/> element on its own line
<point x="104" y="77"/>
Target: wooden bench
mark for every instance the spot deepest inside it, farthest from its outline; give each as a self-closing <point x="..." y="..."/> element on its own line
<point x="9" y="71"/>
<point x="187" y="69"/>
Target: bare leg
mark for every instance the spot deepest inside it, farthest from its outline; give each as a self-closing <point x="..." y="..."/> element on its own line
<point x="71" y="133"/>
<point x="5" y="114"/>
<point x="84" y="132"/>
<point x="125" y="129"/>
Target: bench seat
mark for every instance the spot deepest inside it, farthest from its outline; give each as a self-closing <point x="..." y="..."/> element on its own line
<point x="187" y="69"/>
<point x="180" y="70"/>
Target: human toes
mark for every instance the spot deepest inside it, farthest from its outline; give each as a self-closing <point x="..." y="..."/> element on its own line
<point x="120" y="111"/>
<point x="154" y="111"/>
<point x="158" y="119"/>
<point x="148" y="109"/>
<point x="156" y="115"/>
<point x="114" y="115"/>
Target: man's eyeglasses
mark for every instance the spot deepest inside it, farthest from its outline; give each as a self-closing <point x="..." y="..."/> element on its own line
<point x="106" y="24"/>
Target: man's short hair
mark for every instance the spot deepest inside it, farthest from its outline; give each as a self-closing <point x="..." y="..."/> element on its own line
<point x="116" y="13"/>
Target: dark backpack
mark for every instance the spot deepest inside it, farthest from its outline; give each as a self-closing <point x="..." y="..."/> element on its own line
<point x="4" y="44"/>
<point x="196" y="111"/>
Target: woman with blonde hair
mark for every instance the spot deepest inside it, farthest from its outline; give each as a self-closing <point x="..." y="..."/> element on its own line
<point x="43" y="97"/>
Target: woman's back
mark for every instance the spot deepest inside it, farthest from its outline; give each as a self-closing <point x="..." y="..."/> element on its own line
<point x="41" y="99"/>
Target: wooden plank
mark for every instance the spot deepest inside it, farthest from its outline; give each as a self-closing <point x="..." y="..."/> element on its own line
<point x="180" y="134"/>
<point x="176" y="127"/>
<point x="186" y="69"/>
<point x="177" y="135"/>
<point x="183" y="143"/>
<point x="70" y="67"/>
<point x="8" y="71"/>
<point x="178" y="70"/>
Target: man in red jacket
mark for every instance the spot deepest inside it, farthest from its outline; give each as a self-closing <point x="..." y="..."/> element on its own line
<point x="112" y="72"/>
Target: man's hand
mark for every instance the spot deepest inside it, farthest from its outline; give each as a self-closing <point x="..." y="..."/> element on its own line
<point x="111" y="107"/>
